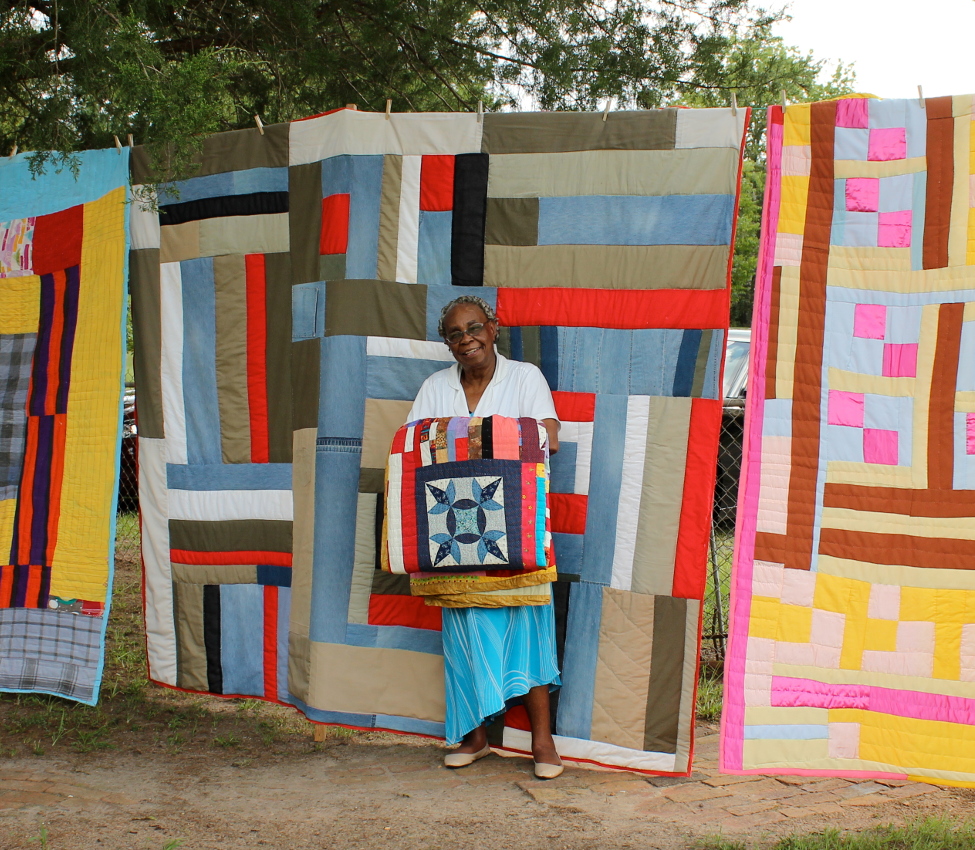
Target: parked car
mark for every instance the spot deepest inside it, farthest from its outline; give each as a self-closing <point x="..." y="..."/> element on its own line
<point x="732" y="426"/>
<point x="128" y="487"/>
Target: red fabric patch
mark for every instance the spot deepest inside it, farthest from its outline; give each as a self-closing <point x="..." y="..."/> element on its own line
<point x="516" y="717"/>
<point x="568" y="512"/>
<point x="575" y="407"/>
<point x="388" y="609"/>
<point x="614" y="308"/>
<point x="437" y="183"/>
<point x="695" y="511"/>
<point x="257" y="356"/>
<point x="335" y="225"/>
<point x="273" y="559"/>
<point x="270" y="642"/>
<point x="57" y="240"/>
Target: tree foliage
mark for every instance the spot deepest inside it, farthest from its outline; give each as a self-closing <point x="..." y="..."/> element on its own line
<point x="760" y="69"/>
<point x="75" y="73"/>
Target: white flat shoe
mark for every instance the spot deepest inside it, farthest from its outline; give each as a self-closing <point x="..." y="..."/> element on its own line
<point x="548" y="771"/>
<point x="454" y="760"/>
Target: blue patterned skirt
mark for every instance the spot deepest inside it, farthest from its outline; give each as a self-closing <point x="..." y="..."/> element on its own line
<point x="492" y="656"/>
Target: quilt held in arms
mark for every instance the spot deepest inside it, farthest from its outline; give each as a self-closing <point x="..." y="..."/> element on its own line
<point x="62" y="303"/>
<point x="286" y="307"/>
<point x="853" y="644"/>
<point x="466" y="507"/>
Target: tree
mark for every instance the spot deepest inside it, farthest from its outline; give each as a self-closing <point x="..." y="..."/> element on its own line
<point x="759" y="68"/>
<point x="73" y="73"/>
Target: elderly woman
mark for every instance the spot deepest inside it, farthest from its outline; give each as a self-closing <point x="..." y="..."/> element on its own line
<point x="493" y="655"/>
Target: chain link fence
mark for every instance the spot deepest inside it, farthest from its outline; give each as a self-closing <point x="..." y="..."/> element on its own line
<point x="127" y="540"/>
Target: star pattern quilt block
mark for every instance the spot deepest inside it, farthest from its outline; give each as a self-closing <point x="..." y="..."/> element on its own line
<point x="467" y="494"/>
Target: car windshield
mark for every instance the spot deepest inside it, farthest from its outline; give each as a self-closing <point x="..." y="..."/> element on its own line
<point x="736" y="360"/>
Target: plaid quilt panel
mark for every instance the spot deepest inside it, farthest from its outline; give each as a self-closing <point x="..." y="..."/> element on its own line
<point x="62" y="302"/>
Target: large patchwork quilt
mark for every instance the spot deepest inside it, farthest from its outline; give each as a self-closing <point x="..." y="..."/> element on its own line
<point x="286" y="304"/>
<point x="62" y="308"/>
<point x="853" y="644"/>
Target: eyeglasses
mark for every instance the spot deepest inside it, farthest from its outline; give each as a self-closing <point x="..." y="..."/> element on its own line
<point x="456" y="336"/>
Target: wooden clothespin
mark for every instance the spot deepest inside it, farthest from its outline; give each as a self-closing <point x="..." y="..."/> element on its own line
<point x="260" y="124"/>
<point x="351" y="106"/>
<point x="13" y="152"/>
<point x="785" y="103"/>
<point x="131" y="141"/>
<point x="609" y="103"/>
<point x="389" y="107"/>
<point x="118" y="144"/>
<point x="734" y="104"/>
<point x="480" y="111"/>
<point x="920" y="96"/>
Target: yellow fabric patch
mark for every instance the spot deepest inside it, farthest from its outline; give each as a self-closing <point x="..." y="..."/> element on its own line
<point x="80" y="567"/>
<point x="20" y="299"/>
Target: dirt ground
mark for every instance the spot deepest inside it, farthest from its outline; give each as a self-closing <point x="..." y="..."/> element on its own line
<point x="150" y="768"/>
<point x="377" y="790"/>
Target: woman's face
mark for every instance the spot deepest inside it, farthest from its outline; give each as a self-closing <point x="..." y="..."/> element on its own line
<point x="475" y="348"/>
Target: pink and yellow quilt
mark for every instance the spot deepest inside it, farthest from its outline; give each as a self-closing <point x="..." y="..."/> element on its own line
<point x="853" y="608"/>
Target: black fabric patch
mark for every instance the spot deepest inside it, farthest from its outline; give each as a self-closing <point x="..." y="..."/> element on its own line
<point x="467" y="229"/>
<point x="487" y="438"/>
<point x="560" y="601"/>
<point x="257" y="203"/>
<point x="378" y="529"/>
<point x="211" y="637"/>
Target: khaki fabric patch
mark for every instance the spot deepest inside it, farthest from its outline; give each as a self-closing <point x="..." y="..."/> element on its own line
<point x="607" y="266"/>
<point x="369" y="680"/>
<point x="623" y="669"/>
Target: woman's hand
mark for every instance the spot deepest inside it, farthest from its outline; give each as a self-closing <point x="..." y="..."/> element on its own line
<point x="552" y="428"/>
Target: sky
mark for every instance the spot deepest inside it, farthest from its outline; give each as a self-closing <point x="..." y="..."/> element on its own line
<point x="894" y="45"/>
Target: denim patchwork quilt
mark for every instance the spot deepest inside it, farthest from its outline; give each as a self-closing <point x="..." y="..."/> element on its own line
<point x="286" y="303"/>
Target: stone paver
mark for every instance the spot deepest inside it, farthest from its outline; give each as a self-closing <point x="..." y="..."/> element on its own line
<point x="707" y="801"/>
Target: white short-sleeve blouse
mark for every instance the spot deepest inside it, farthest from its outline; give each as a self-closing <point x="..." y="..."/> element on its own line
<point x="517" y="389"/>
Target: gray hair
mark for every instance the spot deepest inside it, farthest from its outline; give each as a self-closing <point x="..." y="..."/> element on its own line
<point x="466" y="299"/>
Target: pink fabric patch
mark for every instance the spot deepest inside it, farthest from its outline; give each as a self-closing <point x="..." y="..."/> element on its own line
<point x="879" y="446"/>
<point x="885" y="602"/>
<point x="915" y="636"/>
<point x="900" y="360"/>
<point x="887" y="144"/>
<point x="845" y="408"/>
<point x="870" y="321"/>
<point x="894" y="229"/>
<point x="862" y="194"/>
<point x="852" y="112"/>
<point x="970" y="431"/>
<point x="844" y="738"/>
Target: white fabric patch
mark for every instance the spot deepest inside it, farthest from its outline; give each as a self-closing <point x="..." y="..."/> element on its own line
<point x="576" y="748"/>
<point x="408" y="239"/>
<point x="709" y="128"/>
<point x="415" y="349"/>
<point x="631" y="489"/>
<point x="174" y="410"/>
<point x="160" y="628"/>
<point x="217" y="505"/>
<point x="143" y="222"/>
<point x="351" y="132"/>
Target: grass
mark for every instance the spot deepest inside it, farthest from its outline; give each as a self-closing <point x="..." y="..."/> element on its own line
<point x="710" y="687"/>
<point x="134" y="715"/>
<point x="930" y="834"/>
